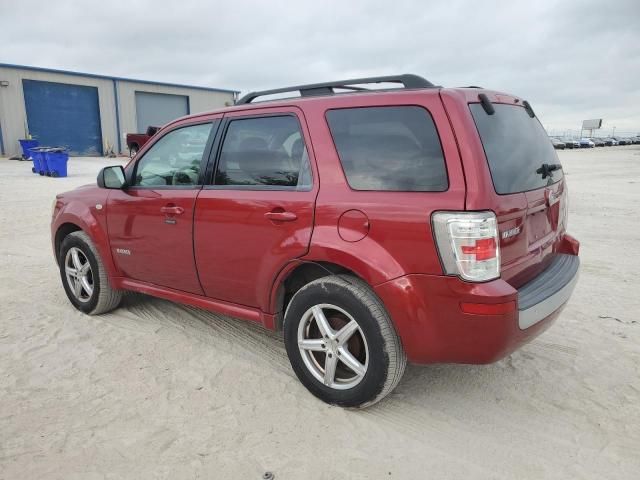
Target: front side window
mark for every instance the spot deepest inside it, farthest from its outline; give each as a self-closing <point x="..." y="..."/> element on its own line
<point x="264" y="152"/>
<point x="389" y="148"/>
<point x="175" y="159"/>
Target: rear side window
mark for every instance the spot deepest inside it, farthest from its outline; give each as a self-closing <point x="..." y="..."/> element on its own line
<point x="516" y="146"/>
<point x="389" y="148"/>
<point x="264" y="152"/>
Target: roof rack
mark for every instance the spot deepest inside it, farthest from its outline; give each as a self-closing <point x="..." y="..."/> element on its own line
<point x="327" y="88"/>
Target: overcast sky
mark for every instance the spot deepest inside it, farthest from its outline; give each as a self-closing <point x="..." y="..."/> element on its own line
<point x="571" y="59"/>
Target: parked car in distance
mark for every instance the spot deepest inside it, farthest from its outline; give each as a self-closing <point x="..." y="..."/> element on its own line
<point x="619" y="140"/>
<point x="571" y="143"/>
<point x="609" y="142"/>
<point x="557" y="144"/>
<point x="597" y="141"/>
<point x="135" y="141"/>
<point x="586" y="143"/>
<point x="343" y="220"/>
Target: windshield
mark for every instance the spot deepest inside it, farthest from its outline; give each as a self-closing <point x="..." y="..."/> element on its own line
<point x="516" y="147"/>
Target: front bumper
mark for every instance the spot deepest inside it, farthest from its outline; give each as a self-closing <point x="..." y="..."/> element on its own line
<point x="427" y="311"/>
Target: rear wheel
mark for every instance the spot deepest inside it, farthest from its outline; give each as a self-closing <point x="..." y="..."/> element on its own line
<point x="341" y="342"/>
<point x="133" y="150"/>
<point x="84" y="277"/>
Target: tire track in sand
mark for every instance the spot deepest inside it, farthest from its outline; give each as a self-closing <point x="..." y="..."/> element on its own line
<point x="232" y="335"/>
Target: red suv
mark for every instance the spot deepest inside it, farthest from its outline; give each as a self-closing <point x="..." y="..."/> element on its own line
<point x="372" y="226"/>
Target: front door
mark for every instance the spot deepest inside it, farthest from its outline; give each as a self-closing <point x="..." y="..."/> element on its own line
<point x="150" y="223"/>
<point x="257" y="213"/>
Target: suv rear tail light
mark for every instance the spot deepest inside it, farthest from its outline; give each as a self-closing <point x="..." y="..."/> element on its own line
<point x="468" y="244"/>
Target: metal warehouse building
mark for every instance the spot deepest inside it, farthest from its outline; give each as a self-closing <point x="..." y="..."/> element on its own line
<point x="90" y="114"/>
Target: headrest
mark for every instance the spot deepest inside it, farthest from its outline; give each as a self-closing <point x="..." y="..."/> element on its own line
<point x="253" y="143"/>
<point x="254" y="157"/>
<point x="297" y="150"/>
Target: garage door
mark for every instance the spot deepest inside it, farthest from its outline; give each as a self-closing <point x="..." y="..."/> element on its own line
<point x="156" y="109"/>
<point x="59" y="114"/>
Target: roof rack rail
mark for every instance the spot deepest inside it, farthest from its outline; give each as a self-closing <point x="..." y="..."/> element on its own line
<point x="327" y="88"/>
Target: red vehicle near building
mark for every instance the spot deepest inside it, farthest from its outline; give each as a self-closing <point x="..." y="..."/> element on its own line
<point x="373" y="227"/>
<point x="135" y="141"/>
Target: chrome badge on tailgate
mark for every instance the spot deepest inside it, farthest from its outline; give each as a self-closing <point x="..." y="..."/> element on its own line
<point x="512" y="232"/>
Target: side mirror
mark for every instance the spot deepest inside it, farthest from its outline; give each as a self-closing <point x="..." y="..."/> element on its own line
<point x="112" y="177"/>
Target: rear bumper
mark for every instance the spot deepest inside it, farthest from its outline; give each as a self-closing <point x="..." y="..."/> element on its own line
<point x="427" y="311"/>
<point x="548" y="291"/>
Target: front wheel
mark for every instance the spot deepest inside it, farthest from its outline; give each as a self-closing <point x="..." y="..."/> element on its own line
<point x="84" y="277"/>
<point x="341" y="342"/>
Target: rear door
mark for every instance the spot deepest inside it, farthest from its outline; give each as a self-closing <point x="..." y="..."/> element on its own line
<point x="151" y="222"/>
<point x="256" y="213"/>
<point x="530" y="197"/>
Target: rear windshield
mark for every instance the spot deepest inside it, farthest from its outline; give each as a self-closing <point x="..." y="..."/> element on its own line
<point x="516" y="146"/>
<point x="389" y="148"/>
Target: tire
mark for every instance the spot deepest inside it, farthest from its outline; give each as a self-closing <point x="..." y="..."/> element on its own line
<point x="133" y="150"/>
<point x="374" y="343"/>
<point x="102" y="298"/>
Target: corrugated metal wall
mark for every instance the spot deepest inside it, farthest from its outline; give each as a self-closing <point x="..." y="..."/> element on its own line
<point x="199" y="101"/>
<point x="13" y="116"/>
<point x="12" y="104"/>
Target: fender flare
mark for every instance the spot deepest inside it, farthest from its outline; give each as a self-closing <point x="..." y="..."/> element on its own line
<point x="82" y="217"/>
<point x="374" y="269"/>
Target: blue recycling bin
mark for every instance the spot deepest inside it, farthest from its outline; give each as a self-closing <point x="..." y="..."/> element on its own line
<point x="56" y="159"/>
<point x="39" y="162"/>
<point x="33" y="155"/>
<point x="26" y="145"/>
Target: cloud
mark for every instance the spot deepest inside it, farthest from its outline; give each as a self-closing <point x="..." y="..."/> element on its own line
<point x="571" y="60"/>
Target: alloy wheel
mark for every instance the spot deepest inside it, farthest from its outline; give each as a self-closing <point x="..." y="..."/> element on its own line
<point x="79" y="275"/>
<point x="333" y="347"/>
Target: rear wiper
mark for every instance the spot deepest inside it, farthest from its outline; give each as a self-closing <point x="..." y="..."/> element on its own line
<point x="547" y="168"/>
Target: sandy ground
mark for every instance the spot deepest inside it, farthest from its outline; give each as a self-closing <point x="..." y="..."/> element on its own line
<point x="157" y="390"/>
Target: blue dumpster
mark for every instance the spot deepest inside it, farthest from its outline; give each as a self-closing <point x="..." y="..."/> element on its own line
<point x="57" y="159"/>
<point x="26" y="145"/>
